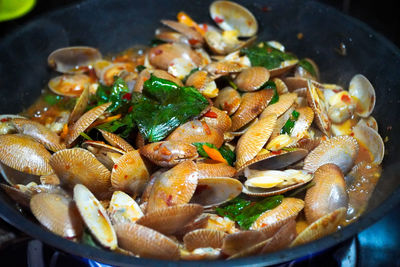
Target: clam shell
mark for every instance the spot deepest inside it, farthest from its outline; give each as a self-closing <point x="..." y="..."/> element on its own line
<point x="281" y="87"/>
<point x="95" y="217"/>
<point x="251" y="142"/>
<point x="79" y="166"/>
<point x="162" y="74"/>
<point x="22" y="153"/>
<point x="194" y="36"/>
<point x="143" y="76"/>
<point x="317" y="104"/>
<point x="203" y="238"/>
<point x="327" y="195"/>
<point x="252" y="78"/>
<point x="51" y="179"/>
<point x="209" y="169"/>
<point x="289" y="208"/>
<point x="211" y="192"/>
<point x="72" y="59"/>
<point x="197" y="131"/>
<point x="169" y="153"/>
<point x="174" y="187"/>
<point x="303" y="73"/>
<point x="232" y="16"/>
<point x="362" y="90"/>
<point x="123" y="208"/>
<point x="6" y="125"/>
<point x="21" y="197"/>
<point x="250" y="251"/>
<point x="222" y="121"/>
<point x="320" y="228"/>
<point x="84" y="122"/>
<point x="162" y="55"/>
<point x="281" y="121"/>
<point x="306" y="117"/>
<point x="198" y="79"/>
<point x="228" y="99"/>
<point x="116" y="141"/>
<point x="69" y="85"/>
<point x="294" y="83"/>
<point x="129" y="173"/>
<point x="252" y="104"/>
<point x="339" y="150"/>
<point x="125" y="70"/>
<point x="80" y="106"/>
<point x="285" y="67"/>
<point x="237" y="242"/>
<point x="58" y="214"/>
<point x="169" y="36"/>
<point x="40" y="133"/>
<point x="172" y="219"/>
<point x="282" y="239"/>
<point x="146" y="242"/>
<point x="221" y="68"/>
<point x="372" y="140"/>
<point x="278" y="108"/>
<point x="370" y="122"/>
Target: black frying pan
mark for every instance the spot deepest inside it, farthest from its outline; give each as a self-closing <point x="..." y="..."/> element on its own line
<point x="118" y="24"/>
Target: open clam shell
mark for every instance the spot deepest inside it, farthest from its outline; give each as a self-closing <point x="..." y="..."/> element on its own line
<point x="80" y="106"/>
<point x="221" y="68"/>
<point x="228" y="99"/>
<point x="210" y="169"/>
<point x="280" y="107"/>
<point x="125" y="70"/>
<point x="163" y="55"/>
<point x="327" y="195"/>
<point x="69" y="85"/>
<point x="281" y="87"/>
<point x="371" y="139"/>
<point x="285" y="66"/>
<point x="212" y="192"/>
<point x="73" y="59"/>
<point x="316" y="102"/>
<point x="58" y="214"/>
<point x="22" y="153"/>
<point x="106" y="154"/>
<point x="294" y="83"/>
<point x="195" y="38"/>
<point x="339" y="150"/>
<point x="116" y="141"/>
<point x="231" y="16"/>
<point x="95" y="217"/>
<point x="162" y="74"/>
<point x="172" y="219"/>
<point x="6" y="125"/>
<point x="20" y="194"/>
<point x="129" y="173"/>
<point x="146" y="242"/>
<point x="362" y="90"/>
<point x="203" y="238"/>
<point x="236" y="242"/>
<point x="282" y="239"/>
<point x="123" y="208"/>
<point x="251" y="79"/>
<point x="306" y="117"/>
<point x="218" y="119"/>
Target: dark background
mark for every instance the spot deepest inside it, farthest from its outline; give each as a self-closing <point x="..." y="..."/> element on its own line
<point x="379" y="245"/>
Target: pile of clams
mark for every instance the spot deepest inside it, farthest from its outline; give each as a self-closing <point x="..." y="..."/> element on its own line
<point x="313" y="143"/>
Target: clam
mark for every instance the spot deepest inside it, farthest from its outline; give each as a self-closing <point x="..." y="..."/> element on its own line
<point x="327" y="195"/>
<point x="80" y="106"/>
<point x="172" y="219"/>
<point x="254" y="139"/>
<point x="282" y="239"/>
<point x="221" y="68"/>
<point x="129" y="173"/>
<point x="226" y="42"/>
<point x="116" y="141"/>
<point x="218" y="119"/>
<point x="321" y="227"/>
<point x="162" y="74"/>
<point x="278" y="108"/>
<point x="339" y="150"/>
<point x="284" y="67"/>
<point x="316" y="101"/>
<point x="79" y="166"/>
<point x="281" y="87"/>
<point x="84" y="122"/>
<point x="174" y="187"/>
<point x="21" y="194"/>
<point x="304" y="73"/>
<point x="364" y="93"/>
<point x="51" y="179"/>
<point x="123" y="70"/>
<point x="74" y="59"/>
<point x="306" y="117"/>
<point x="211" y="192"/>
<point x="294" y="83"/>
<point x="232" y="16"/>
<point x="106" y="154"/>
<point x="6" y="125"/>
<point x="194" y="37"/>
<point x="228" y="99"/>
<point x="146" y="242"/>
<point x="22" y="153"/>
<point x="340" y="113"/>
<point x="95" y="217"/>
<point x="252" y="104"/>
<point x="251" y="79"/>
<point x="100" y="65"/>
<point x="209" y="169"/>
<point x="250" y="251"/>
<point x="370" y="139"/>
<point x="202" y="81"/>
<point x="163" y="55"/>
<point x="289" y="208"/>
<point x="143" y="76"/>
<point x="169" y="153"/>
<point x="203" y="238"/>
<point x="197" y="131"/>
<point x="239" y="241"/>
<point x="123" y="208"/>
<point x="58" y="214"/>
<point x="39" y="133"/>
<point x="370" y="122"/>
<point x="69" y="85"/>
<point x="169" y="36"/>
<point x="281" y="121"/>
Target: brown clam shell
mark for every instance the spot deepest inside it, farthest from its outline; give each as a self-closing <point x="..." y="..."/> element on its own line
<point x="281" y="87"/>
<point x="162" y="55"/>
<point x="289" y="208"/>
<point x="51" y="179"/>
<point x="317" y="104"/>
<point x="22" y="153"/>
<point x="221" y="68"/>
<point x="197" y="131"/>
<point x="203" y="238"/>
<point x="320" y="228"/>
<point x="222" y="121"/>
<point x="69" y="85"/>
<point x="281" y="121"/>
<point x="282" y="70"/>
<point x="116" y="140"/>
<point x="278" y="108"/>
<point x="125" y="70"/>
<point x="239" y="241"/>
<point x="339" y="150"/>
<point x="58" y="214"/>
<point x="169" y="153"/>
<point x="281" y="239"/>
<point x="129" y="173"/>
<point x="40" y="133"/>
<point x="79" y="166"/>
<point x="198" y="79"/>
<point x="252" y="141"/>
<point x="193" y="35"/>
<point x="146" y="242"/>
<point x="306" y="117"/>
<point x="294" y="83"/>
<point x="228" y="99"/>
<point x="170" y="220"/>
<point x="162" y="74"/>
<point x="327" y="195"/>
<point x="80" y="106"/>
<point x="250" y="251"/>
<point x="251" y="79"/>
<point x="143" y="76"/>
<point x="252" y="104"/>
<point x="174" y="187"/>
<point x="84" y="122"/>
<point x="22" y="197"/>
<point x="214" y="169"/>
